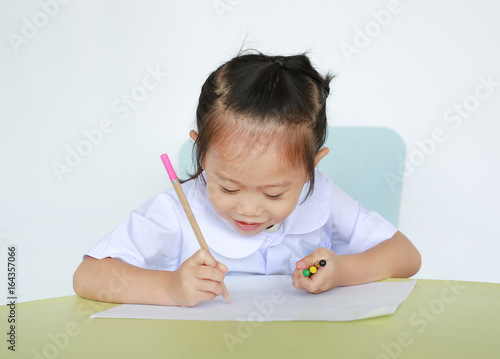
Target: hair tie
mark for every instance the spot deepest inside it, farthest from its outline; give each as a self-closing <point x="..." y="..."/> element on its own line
<point x="281" y="62"/>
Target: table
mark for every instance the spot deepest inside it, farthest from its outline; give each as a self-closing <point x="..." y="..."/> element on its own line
<point x="440" y="319"/>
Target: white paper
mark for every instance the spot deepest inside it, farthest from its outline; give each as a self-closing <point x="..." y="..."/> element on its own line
<point x="273" y="298"/>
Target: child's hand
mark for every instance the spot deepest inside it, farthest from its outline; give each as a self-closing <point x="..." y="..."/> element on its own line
<point x="325" y="278"/>
<point x="198" y="279"/>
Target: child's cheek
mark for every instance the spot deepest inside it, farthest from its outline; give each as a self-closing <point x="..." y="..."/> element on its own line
<point x="282" y="210"/>
<point x="212" y="190"/>
<point x="220" y="201"/>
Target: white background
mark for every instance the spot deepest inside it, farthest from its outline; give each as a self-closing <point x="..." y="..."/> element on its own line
<point x="65" y="68"/>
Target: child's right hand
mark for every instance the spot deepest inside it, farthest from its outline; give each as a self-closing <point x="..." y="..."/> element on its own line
<point x="198" y="279"/>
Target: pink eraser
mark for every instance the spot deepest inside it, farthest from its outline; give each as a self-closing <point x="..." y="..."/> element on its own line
<point x="168" y="167"/>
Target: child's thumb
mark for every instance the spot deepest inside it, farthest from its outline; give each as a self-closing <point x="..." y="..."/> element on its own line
<point x="222" y="267"/>
<point x="306" y="262"/>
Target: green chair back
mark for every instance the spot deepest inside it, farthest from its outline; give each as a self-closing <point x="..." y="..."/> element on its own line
<point x="366" y="162"/>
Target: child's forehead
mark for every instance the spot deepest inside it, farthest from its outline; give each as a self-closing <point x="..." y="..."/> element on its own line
<point x="249" y="140"/>
<point x="262" y="165"/>
<point x="248" y="149"/>
<point x="260" y="171"/>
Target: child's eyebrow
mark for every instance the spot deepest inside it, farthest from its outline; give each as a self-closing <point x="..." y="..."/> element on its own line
<point x="271" y="185"/>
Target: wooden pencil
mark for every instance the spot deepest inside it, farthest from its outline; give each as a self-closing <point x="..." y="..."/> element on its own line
<point x="189" y="213"/>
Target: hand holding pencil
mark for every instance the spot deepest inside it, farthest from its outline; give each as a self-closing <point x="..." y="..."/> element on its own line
<point x="199" y="278"/>
<point x="200" y="258"/>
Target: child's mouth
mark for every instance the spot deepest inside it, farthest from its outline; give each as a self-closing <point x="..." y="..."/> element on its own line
<point x="247" y="227"/>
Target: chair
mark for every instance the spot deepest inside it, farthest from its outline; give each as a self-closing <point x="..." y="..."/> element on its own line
<point x="366" y="162"/>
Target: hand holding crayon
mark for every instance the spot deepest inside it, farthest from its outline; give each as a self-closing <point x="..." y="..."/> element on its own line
<point x="319" y="271"/>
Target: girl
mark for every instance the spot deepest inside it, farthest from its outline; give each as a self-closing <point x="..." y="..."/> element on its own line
<point x="260" y="203"/>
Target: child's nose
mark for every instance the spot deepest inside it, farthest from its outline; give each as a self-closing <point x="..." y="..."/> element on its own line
<point x="249" y="206"/>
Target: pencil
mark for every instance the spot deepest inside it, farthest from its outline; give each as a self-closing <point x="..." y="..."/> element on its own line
<point x="189" y="213"/>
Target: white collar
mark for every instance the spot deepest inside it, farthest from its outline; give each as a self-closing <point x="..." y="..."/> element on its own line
<point x="222" y="238"/>
<point x="311" y="213"/>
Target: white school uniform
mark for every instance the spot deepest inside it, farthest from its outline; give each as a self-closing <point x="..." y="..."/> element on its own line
<point x="157" y="235"/>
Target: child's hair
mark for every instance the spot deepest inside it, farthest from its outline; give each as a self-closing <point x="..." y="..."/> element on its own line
<point x="256" y="99"/>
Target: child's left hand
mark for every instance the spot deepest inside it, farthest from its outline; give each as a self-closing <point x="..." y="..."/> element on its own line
<point x="326" y="278"/>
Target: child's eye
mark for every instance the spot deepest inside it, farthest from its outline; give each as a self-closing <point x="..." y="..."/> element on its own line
<point x="274" y="197"/>
<point x="228" y="191"/>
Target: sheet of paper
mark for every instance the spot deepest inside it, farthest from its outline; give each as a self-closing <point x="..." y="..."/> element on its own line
<point x="273" y="298"/>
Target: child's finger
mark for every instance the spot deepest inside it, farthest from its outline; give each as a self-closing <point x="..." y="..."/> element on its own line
<point x="209" y="273"/>
<point x="209" y="286"/>
<point x="302" y="282"/>
<point x="203" y="257"/>
<point x="222" y="267"/>
<point x="312" y="259"/>
<point x="312" y="284"/>
<point x="206" y="267"/>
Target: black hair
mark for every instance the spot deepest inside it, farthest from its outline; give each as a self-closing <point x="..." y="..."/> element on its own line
<point x="274" y="91"/>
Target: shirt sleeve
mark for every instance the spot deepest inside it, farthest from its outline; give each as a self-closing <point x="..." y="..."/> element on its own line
<point x="150" y="237"/>
<point x="355" y="228"/>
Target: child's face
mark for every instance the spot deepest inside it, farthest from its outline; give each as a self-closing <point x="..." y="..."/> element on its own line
<point x="253" y="191"/>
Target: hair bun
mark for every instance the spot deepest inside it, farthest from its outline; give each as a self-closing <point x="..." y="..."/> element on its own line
<point x="281" y="62"/>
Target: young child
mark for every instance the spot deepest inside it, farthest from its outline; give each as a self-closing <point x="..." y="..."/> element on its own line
<point x="261" y="204"/>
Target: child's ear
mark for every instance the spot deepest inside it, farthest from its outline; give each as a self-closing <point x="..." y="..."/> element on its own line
<point x="194" y="136"/>
<point x="319" y="156"/>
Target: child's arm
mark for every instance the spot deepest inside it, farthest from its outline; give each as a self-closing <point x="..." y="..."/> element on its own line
<point x="112" y="280"/>
<point x="396" y="257"/>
